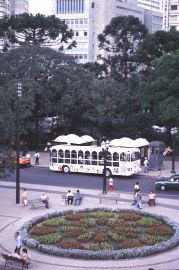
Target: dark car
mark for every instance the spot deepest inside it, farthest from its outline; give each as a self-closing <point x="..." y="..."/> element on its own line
<point x="171" y="182"/>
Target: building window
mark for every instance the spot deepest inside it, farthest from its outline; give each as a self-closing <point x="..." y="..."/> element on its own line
<point x="77" y="34"/>
<point x="172" y="27"/>
<point x="85" y="33"/>
<point x="92" y="5"/>
<point x="70" y="6"/>
<point x="173" y="7"/>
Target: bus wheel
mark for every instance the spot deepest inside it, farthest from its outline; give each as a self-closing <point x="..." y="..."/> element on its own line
<point x="108" y="173"/>
<point x="66" y="169"/>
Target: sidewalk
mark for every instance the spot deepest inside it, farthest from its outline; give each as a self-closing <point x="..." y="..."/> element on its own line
<point x="45" y="160"/>
<point x="13" y="216"/>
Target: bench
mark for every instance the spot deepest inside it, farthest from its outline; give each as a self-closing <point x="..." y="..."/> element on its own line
<point x="115" y="198"/>
<point x="36" y="202"/>
<point x="12" y="260"/>
<point x="64" y="198"/>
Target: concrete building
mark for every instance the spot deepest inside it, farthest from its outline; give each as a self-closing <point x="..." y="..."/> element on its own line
<point x="21" y="6"/>
<point x="7" y="7"/>
<point x="173" y="14"/>
<point x="88" y="19"/>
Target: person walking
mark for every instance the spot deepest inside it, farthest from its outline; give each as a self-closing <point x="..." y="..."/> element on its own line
<point x="134" y="198"/>
<point x="146" y="163"/>
<point x="24" y="197"/>
<point x="18" y="242"/>
<point x="139" y="201"/>
<point x="37" y="157"/>
<point x="110" y="184"/>
<point x="151" y="199"/>
<point x="137" y="187"/>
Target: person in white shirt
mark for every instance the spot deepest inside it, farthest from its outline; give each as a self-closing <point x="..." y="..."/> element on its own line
<point x="110" y="184"/>
<point x="37" y="157"/>
<point x="137" y="187"/>
<point x="151" y="199"/>
<point x="146" y="163"/>
<point x="24" y="197"/>
<point x="44" y="199"/>
<point x="69" y="197"/>
<point x="18" y="241"/>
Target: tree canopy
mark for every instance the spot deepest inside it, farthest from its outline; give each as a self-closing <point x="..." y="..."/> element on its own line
<point x="122" y="39"/>
<point x="28" y="29"/>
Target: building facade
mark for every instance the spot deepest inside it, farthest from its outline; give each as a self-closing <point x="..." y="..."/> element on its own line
<point x="7" y="7"/>
<point x="21" y="6"/>
<point x="173" y="14"/>
<point x="88" y="18"/>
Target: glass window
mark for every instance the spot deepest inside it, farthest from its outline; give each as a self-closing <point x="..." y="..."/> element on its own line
<point x="100" y="158"/>
<point x="80" y="56"/>
<point x="81" y="21"/>
<point x="85" y="21"/>
<point x="80" y="157"/>
<point x="54" y="153"/>
<point x="122" y="157"/>
<point x="54" y="160"/>
<point x="128" y="157"/>
<point x="135" y="156"/>
<point x="87" y="157"/>
<point x="116" y="159"/>
<point x="76" y="21"/>
<point x="67" y="156"/>
<point x="173" y="7"/>
<point x="73" y="157"/>
<point x="108" y="159"/>
<point x="72" y="22"/>
<point x="77" y="33"/>
<point x="60" y="156"/>
<point x="85" y="33"/>
<point x="94" y="158"/>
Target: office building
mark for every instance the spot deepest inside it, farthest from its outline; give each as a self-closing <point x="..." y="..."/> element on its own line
<point x="21" y="6"/>
<point x="88" y="18"/>
<point x="173" y="15"/>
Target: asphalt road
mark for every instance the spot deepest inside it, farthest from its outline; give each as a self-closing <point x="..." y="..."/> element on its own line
<point x="43" y="176"/>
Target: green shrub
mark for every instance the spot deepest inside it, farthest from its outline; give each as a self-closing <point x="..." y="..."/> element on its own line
<point x="101" y="246"/>
<point x="57" y="221"/>
<point x="85" y="237"/>
<point x="49" y="239"/>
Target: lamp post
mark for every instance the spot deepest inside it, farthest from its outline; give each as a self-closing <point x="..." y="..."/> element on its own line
<point x="173" y="133"/>
<point x="105" y="146"/>
<point x="19" y="95"/>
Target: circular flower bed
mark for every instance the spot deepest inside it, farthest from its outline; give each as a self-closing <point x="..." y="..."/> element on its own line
<point x="101" y="234"/>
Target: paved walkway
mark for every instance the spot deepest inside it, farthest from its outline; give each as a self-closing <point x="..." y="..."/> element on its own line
<point x="45" y="159"/>
<point x="12" y="216"/>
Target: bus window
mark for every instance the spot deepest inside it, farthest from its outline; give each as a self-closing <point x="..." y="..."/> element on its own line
<point x="54" y="153"/>
<point x="73" y="157"/>
<point x="87" y="158"/>
<point x="108" y="159"/>
<point x="128" y="157"/>
<point x="67" y="156"/>
<point x="101" y="160"/>
<point x="135" y="156"/>
<point x="60" y="156"/>
<point x="94" y="158"/>
<point x="116" y="159"/>
<point x="122" y="157"/>
<point x="54" y="160"/>
<point x="80" y="157"/>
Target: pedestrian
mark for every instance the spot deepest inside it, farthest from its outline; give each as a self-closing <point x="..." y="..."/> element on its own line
<point x="44" y="199"/>
<point x="134" y="198"/>
<point x="24" y="196"/>
<point x="78" y="198"/>
<point x="110" y="184"/>
<point x="15" y="254"/>
<point x="151" y="199"/>
<point x="139" y="201"/>
<point x="69" y="197"/>
<point x="137" y="187"/>
<point x="146" y="163"/>
<point x="25" y="255"/>
<point x="37" y="157"/>
<point x="18" y="242"/>
<point x="159" y="174"/>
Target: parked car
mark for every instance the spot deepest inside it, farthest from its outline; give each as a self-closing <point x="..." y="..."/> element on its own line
<point x="23" y="161"/>
<point x="171" y="182"/>
<point x="167" y="151"/>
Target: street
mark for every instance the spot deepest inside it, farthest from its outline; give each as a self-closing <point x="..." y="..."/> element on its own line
<point x="44" y="176"/>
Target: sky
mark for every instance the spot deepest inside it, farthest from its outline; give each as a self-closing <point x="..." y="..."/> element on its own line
<point x="40" y="6"/>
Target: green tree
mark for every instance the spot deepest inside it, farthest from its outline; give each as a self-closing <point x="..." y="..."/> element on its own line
<point x="159" y="90"/>
<point x="122" y="39"/>
<point x="26" y="29"/>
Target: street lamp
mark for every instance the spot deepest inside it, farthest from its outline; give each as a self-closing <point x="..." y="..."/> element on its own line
<point x="173" y="133"/>
<point x="105" y="146"/>
<point x="19" y="95"/>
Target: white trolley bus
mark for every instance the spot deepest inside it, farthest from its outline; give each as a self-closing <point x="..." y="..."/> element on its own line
<point x="89" y="159"/>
